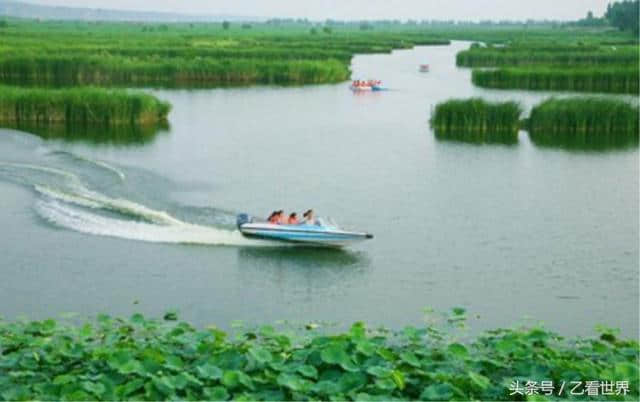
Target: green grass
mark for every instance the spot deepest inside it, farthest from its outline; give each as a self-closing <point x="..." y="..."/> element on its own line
<point x="595" y="66"/>
<point x="142" y="359"/>
<point x="204" y="54"/>
<point x="80" y="106"/>
<point x="179" y="55"/>
<point x="604" y="79"/>
<point x="558" y="55"/>
<point x="115" y="70"/>
<point x="476" y="120"/>
<point x="588" y="123"/>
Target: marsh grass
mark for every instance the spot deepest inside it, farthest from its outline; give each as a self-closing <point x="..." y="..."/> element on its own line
<point x="587" y="123"/>
<point x="476" y="120"/>
<point x="111" y="54"/>
<point x="80" y="107"/>
<point x="608" y="80"/>
<point x="572" y="56"/>
<point x="117" y="70"/>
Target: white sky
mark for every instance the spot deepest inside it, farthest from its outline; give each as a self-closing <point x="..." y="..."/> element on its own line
<point x="360" y="9"/>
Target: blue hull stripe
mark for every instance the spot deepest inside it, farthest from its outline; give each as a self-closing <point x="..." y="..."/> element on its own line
<point x="304" y="236"/>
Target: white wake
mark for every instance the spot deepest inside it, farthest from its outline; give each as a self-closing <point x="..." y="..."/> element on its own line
<point x="66" y="202"/>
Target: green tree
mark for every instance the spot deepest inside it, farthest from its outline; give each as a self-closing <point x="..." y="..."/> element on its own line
<point x="226" y="24"/>
<point x="591" y="21"/>
<point x="624" y="15"/>
<point x="327" y="30"/>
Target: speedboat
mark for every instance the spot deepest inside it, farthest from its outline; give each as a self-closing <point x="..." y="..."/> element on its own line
<point x="321" y="234"/>
<point x="424" y="68"/>
<point x="369" y="85"/>
<point x="366" y="88"/>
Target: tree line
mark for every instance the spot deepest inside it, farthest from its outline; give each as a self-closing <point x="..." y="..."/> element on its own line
<point x="624" y="15"/>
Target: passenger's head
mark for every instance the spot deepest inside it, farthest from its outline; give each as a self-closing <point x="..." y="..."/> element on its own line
<point x="308" y="213"/>
<point x="292" y="215"/>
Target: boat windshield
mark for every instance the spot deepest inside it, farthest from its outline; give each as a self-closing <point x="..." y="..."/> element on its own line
<point x="326" y="222"/>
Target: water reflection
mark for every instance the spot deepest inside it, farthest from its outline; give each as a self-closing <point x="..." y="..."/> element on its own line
<point x="476" y="137"/>
<point x="301" y="275"/>
<point x="123" y="135"/>
<point x="573" y="142"/>
<point x="317" y="268"/>
<point x="302" y="257"/>
<point x="299" y="283"/>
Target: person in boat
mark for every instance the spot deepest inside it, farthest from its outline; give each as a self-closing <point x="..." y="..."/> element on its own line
<point x="309" y="219"/>
<point x="293" y="219"/>
<point x="282" y="219"/>
<point x="273" y="218"/>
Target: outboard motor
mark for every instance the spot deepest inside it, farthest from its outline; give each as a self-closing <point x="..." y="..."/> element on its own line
<point x="241" y="219"/>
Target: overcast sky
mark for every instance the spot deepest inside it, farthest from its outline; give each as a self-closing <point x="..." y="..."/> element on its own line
<point x="360" y="9"/>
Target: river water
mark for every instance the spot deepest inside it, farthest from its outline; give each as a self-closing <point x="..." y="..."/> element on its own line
<point x="506" y="231"/>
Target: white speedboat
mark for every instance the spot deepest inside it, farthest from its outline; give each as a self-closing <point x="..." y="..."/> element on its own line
<point x="323" y="234"/>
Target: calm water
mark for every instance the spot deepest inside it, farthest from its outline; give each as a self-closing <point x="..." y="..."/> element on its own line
<point x="505" y="231"/>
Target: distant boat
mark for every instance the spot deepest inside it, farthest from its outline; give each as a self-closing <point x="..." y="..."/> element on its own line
<point x="424" y="68"/>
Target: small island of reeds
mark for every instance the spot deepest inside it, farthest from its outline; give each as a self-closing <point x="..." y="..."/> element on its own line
<point x="615" y="79"/>
<point x="550" y="65"/>
<point x="80" y="107"/>
<point x="579" y="123"/>
<point x="547" y="54"/>
<point x="476" y="120"/>
<point x="584" y="123"/>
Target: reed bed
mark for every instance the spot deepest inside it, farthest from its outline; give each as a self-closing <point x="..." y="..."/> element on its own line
<point x="476" y="120"/>
<point x="609" y="80"/>
<point x="106" y="54"/>
<point x="80" y="107"/>
<point x="155" y="52"/>
<point x="584" y="123"/>
<point x="564" y="56"/>
<point x="205" y="54"/>
<point x="104" y="71"/>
